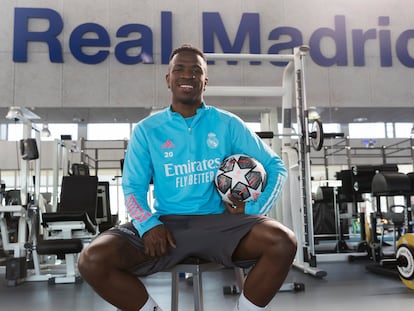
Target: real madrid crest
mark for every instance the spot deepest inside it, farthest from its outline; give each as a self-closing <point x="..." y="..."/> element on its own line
<point x="212" y="141"/>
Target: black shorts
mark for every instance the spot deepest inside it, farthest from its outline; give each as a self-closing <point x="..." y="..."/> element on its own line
<point x="210" y="237"/>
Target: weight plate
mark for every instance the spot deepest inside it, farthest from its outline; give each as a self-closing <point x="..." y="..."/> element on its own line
<point x="406" y="252"/>
<point x="317" y="135"/>
<point x="409" y="284"/>
<point x="405" y="249"/>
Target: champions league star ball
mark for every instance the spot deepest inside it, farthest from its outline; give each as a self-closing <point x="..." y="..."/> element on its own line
<point x="242" y="176"/>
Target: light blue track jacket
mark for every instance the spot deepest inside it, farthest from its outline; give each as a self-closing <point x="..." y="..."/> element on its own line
<point x="181" y="156"/>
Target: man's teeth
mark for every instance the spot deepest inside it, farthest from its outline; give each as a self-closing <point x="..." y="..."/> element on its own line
<point x="187" y="86"/>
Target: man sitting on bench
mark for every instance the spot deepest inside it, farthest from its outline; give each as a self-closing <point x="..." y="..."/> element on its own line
<point x="180" y="149"/>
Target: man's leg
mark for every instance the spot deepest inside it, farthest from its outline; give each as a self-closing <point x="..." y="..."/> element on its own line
<point x="274" y="247"/>
<point x="104" y="263"/>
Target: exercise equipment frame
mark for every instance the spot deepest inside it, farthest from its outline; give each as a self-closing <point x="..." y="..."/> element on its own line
<point x="296" y="215"/>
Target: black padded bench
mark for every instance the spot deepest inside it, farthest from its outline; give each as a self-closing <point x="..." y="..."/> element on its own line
<point x="64" y="249"/>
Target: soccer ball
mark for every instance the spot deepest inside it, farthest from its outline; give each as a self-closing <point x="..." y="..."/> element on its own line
<point x="242" y="176"/>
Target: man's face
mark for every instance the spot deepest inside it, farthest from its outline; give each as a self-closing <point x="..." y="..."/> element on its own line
<point x="187" y="78"/>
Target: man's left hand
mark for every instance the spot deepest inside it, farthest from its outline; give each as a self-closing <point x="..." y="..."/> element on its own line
<point x="236" y="207"/>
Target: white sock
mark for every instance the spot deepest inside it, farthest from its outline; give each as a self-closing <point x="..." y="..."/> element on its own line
<point x="244" y="304"/>
<point x="150" y="305"/>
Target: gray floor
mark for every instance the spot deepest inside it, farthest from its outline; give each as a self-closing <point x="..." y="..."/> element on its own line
<point x="347" y="286"/>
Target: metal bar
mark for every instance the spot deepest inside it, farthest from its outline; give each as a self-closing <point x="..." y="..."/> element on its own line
<point x="174" y="290"/>
<point x="399" y="143"/>
<point x="250" y="57"/>
<point x="245" y="91"/>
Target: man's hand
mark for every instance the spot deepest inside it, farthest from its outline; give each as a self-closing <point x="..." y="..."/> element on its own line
<point x="236" y="207"/>
<point x="157" y="240"/>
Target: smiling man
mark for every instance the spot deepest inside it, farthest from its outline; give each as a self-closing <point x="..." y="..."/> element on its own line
<point x="180" y="149"/>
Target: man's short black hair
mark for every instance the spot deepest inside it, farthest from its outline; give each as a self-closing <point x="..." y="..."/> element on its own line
<point x="189" y="48"/>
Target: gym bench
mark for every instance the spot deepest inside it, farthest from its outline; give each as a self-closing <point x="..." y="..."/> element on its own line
<point x="62" y="248"/>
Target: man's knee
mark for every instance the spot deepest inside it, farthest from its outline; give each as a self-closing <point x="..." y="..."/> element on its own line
<point x="89" y="262"/>
<point x="288" y="242"/>
<point x="95" y="259"/>
<point x="281" y="241"/>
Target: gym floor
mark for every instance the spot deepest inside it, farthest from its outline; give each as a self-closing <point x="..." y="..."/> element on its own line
<point x="347" y="286"/>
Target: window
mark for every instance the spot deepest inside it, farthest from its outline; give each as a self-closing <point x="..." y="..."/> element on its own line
<point x="294" y="128"/>
<point x="14" y="131"/>
<point x="403" y="130"/>
<point x="331" y="127"/>
<point x="367" y="130"/>
<point x="254" y="126"/>
<point x="108" y="131"/>
<point x="57" y="129"/>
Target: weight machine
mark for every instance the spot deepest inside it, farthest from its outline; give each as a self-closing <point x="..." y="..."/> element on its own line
<point x="401" y="263"/>
<point x="16" y="265"/>
<point x="297" y="199"/>
<point x="28" y="247"/>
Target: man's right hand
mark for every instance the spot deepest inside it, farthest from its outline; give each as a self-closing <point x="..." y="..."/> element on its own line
<point x="156" y="241"/>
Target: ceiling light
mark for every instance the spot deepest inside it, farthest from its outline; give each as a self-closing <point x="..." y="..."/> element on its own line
<point x="45" y="131"/>
<point x="360" y="119"/>
<point x="21" y="114"/>
<point x="14" y="114"/>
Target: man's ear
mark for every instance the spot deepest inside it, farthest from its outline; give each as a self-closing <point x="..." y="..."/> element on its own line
<point x="167" y="79"/>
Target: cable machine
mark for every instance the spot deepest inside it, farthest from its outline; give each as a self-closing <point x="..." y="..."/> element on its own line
<point x="28" y="195"/>
<point x="297" y="199"/>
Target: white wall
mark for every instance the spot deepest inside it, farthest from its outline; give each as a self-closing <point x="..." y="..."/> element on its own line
<point x="41" y="83"/>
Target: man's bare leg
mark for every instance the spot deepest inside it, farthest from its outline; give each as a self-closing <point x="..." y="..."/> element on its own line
<point x="103" y="264"/>
<point x="274" y="248"/>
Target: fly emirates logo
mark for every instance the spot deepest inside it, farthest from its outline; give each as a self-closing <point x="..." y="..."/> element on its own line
<point x="192" y="172"/>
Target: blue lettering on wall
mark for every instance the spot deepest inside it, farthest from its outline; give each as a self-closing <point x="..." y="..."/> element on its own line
<point x="22" y="35"/>
<point x="78" y="41"/>
<point x="359" y="38"/>
<point x="402" y="48"/>
<point x="385" y="42"/>
<point x="90" y="43"/>
<point x="295" y="40"/>
<point x="338" y="35"/>
<point x="213" y="26"/>
<point x="144" y="42"/>
<point x="166" y="36"/>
